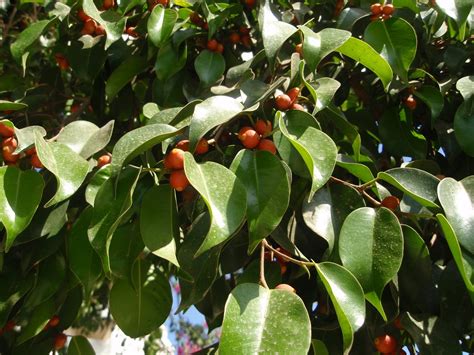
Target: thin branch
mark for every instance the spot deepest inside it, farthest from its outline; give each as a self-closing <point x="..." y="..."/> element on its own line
<point x="371" y="199"/>
<point x="263" y="282"/>
<point x="286" y="257"/>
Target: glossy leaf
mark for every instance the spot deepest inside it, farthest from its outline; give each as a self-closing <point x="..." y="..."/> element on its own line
<point x="83" y="260"/>
<point x="210" y="66"/>
<point x="101" y="176"/>
<point x="363" y="53"/>
<point x="316" y="46"/>
<point x="38" y="319"/>
<point x="11" y="106"/>
<point x="465" y="86"/>
<point x="79" y="345"/>
<point x="20" y="196"/>
<point x="27" y="38"/>
<point x="259" y="320"/>
<point x="316" y="148"/>
<point x="433" y="98"/>
<point x="359" y="170"/>
<point x="268" y="192"/>
<point x="160" y="24"/>
<point x="377" y="235"/>
<point x="464" y="126"/>
<point x="274" y="32"/>
<point x="111" y="204"/>
<point x="347" y="297"/>
<point x="69" y="168"/>
<point x="138" y="141"/>
<point x="170" y="60"/>
<point x="210" y="113"/>
<point x="140" y="310"/>
<point x="121" y="76"/>
<point x="419" y="184"/>
<point x="464" y="261"/>
<point x="159" y="222"/>
<point x="26" y="136"/>
<point x="396" y="41"/>
<point x="456" y="9"/>
<point x="323" y="91"/>
<point x="125" y="247"/>
<point x="224" y="195"/>
<point x="457" y="199"/>
<point x="328" y="209"/>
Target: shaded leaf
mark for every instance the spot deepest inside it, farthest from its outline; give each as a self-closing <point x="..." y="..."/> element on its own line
<point x="464" y="126"/>
<point x="160" y="24"/>
<point x="79" y="345"/>
<point x="210" y="66"/>
<point x="122" y="75"/>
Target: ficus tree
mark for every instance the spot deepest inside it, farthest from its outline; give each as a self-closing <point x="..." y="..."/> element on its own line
<point x="302" y="169"/>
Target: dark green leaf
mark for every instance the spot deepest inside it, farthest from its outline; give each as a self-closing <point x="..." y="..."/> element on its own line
<point x="433" y="98"/>
<point x="26" y="38"/>
<point x="101" y="176"/>
<point x="79" y="345"/>
<point x="11" y="106"/>
<point x="121" y="76"/>
<point x="210" y="66"/>
<point x="38" y="319"/>
<point x="160" y="24"/>
<point x="464" y="126"/>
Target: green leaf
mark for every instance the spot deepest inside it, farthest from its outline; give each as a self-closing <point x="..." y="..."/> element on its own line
<point x="11" y="106"/>
<point x="83" y="260"/>
<point x="85" y="138"/>
<point x="124" y="249"/>
<point x="26" y="38"/>
<point x="259" y="320"/>
<point x="395" y="40"/>
<point x="135" y="142"/>
<point x="36" y="322"/>
<point x="26" y="136"/>
<point x="316" y="46"/>
<point x="113" y="23"/>
<point x="210" y="113"/>
<point x="140" y="310"/>
<point x="160" y="25"/>
<point x="316" y="148"/>
<point x="274" y="32"/>
<point x="121" y="76"/>
<point x="20" y="195"/>
<point x="322" y="90"/>
<point x="268" y="192"/>
<point x="456" y="9"/>
<point x="457" y="199"/>
<point x="12" y="291"/>
<point x="251" y="273"/>
<point x="465" y="86"/>
<point x="159" y="222"/>
<point x="376" y="234"/>
<point x="79" y="345"/>
<point x="111" y="204"/>
<point x="69" y="168"/>
<point x="366" y="55"/>
<point x="359" y="170"/>
<point x="419" y="184"/>
<point x="210" y="66"/>
<point x="464" y="126"/>
<point x="170" y="60"/>
<point x="224" y="195"/>
<point x="328" y="209"/>
<point x="433" y="98"/>
<point x="347" y="297"/>
<point x="101" y="176"/>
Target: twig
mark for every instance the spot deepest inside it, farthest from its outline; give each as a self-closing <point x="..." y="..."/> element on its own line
<point x="263" y="282"/>
<point x="286" y="257"/>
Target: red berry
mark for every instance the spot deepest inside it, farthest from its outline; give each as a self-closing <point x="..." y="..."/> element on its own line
<point x="283" y="102"/>
<point x="183" y="145"/>
<point x="195" y="18"/>
<point x="385" y="344"/>
<point x="268" y="145"/>
<point x="108" y="4"/>
<point x="176" y="159"/>
<point x="10" y="141"/>
<point x="285" y="287"/>
<point x="263" y="127"/>
<point x="250" y="3"/>
<point x="374" y="18"/>
<point x="234" y="38"/>
<point x="212" y="45"/>
<point x="246" y="40"/>
<point x="202" y="147"/>
<point x="167" y="162"/>
<point x="8" y="155"/>
<point x="54" y="321"/>
<point x="376" y="8"/>
<point x="89" y="27"/>
<point x="293" y="94"/>
<point x="244" y="30"/>
<point x="410" y="101"/>
<point x="60" y="341"/>
<point x="99" y="30"/>
<point x="297" y="106"/>
<point x="131" y="32"/>
<point x="82" y="16"/>
<point x="390" y="202"/>
<point x="30" y="151"/>
<point x="35" y="162"/>
<point x="104" y="160"/>
<point x="397" y="323"/>
<point x="6" y="131"/>
<point x="220" y="48"/>
<point x="9" y="326"/>
<point x="249" y="137"/>
<point x="178" y="180"/>
<point x="62" y="61"/>
<point x="388" y="9"/>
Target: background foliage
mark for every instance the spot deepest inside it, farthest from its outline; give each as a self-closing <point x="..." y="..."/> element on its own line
<point x="366" y="207"/>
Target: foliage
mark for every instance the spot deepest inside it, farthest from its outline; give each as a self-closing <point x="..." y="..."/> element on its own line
<point x="360" y="194"/>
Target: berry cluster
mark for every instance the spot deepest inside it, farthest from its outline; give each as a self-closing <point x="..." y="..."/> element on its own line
<point x="9" y="145"/>
<point x="198" y="21"/>
<point x="215" y="46"/>
<point x="90" y="27"/>
<point x="381" y="12"/>
<point x="174" y="161"/>
<point x="289" y="101"/>
<point x="255" y="137"/>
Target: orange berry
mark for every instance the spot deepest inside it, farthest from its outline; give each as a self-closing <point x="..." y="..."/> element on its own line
<point x="108" y="4"/>
<point x="244" y="30"/>
<point x="385" y="344"/>
<point x="285" y="287"/>
<point x="104" y="160"/>
<point x="167" y="163"/>
<point x="410" y="101"/>
<point x="82" y="16"/>
<point x="6" y="131"/>
<point x="249" y="137"/>
<point x="376" y="8"/>
<point x="183" y="145"/>
<point x="163" y="2"/>
<point x="220" y="48"/>
<point x="202" y="147"/>
<point x="374" y="18"/>
<point x="35" y="162"/>
<point x="268" y="145"/>
<point x="89" y="27"/>
<point x="212" y="45"/>
<point x="293" y="93"/>
<point x="297" y="106"/>
<point x="99" y="30"/>
<point x="178" y="180"/>
<point x="283" y="102"/>
<point x="385" y="17"/>
<point x="131" y="32"/>
<point x="8" y="156"/>
<point x="246" y="40"/>
<point x="250" y="3"/>
<point x="263" y="127"/>
<point x="10" y="141"/>
<point x="54" y="321"/>
<point x="176" y="159"/>
<point x="30" y="151"/>
<point x="390" y="202"/>
<point x="62" y="61"/>
<point x="59" y="341"/>
<point x="299" y="49"/>
<point x="388" y="9"/>
<point x="234" y="38"/>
